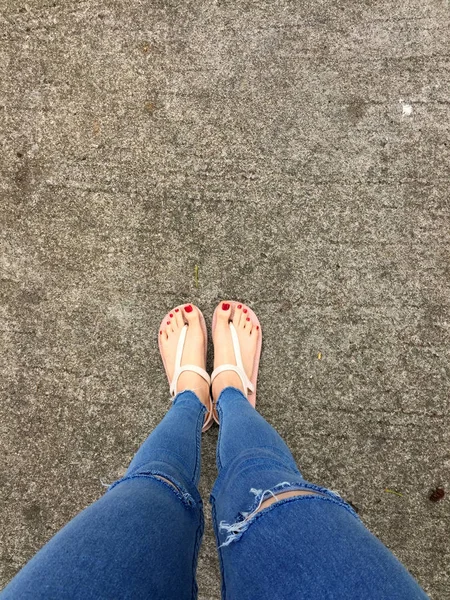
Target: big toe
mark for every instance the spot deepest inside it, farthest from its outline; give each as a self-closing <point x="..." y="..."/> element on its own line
<point x="224" y="313"/>
<point x="191" y="314"/>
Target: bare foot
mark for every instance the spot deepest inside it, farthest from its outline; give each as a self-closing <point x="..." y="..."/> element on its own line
<point x="193" y="351"/>
<point x="223" y="346"/>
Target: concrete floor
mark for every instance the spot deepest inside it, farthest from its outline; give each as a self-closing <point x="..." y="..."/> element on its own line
<point x="298" y="154"/>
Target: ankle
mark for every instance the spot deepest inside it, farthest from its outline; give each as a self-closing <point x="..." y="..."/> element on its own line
<point x="224" y="380"/>
<point x="196" y="384"/>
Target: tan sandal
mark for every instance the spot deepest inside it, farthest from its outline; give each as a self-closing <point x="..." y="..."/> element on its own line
<point x="180" y="369"/>
<point x="249" y="385"/>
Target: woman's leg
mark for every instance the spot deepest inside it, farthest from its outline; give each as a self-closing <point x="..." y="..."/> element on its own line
<point x="279" y="535"/>
<point x="141" y="539"/>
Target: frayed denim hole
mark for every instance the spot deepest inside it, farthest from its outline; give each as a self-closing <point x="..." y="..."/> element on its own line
<point x="179" y="492"/>
<point x="162" y="478"/>
<point x="176" y="489"/>
<point x="252" y="465"/>
<point x="245" y="518"/>
<point x="236" y="530"/>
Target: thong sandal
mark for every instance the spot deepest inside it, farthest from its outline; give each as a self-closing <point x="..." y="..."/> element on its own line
<point x="180" y="369"/>
<point x="249" y="385"/>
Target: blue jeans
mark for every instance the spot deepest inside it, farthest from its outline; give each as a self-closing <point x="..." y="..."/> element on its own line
<point x="141" y="539"/>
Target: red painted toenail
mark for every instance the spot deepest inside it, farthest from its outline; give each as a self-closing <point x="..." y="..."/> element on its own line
<point x="225" y="306"/>
<point x="160" y="332"/>
<point x="247" y="319"/>
<point x="239" y="305"/>
<point x="177" y="310"/>
<point x="168" y="322"/>
<point x="171" y="315"/>
<point x="188" y="308"/>
<point x="245" y="310"/>
<point x="257" y="327"/>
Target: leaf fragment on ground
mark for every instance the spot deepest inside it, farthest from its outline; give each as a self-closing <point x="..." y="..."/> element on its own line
<point x="389" y="491"/>
<point x="196" y="275"/>
<point x="437" y="494"/>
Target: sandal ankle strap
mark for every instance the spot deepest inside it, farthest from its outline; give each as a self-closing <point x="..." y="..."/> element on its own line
<point x="195" y="369"/>
<point x="246" y="383"/>
<point x="180" y="369"/>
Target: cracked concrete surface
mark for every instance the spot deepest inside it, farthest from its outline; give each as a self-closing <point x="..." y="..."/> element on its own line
<point x="298" y="153"/>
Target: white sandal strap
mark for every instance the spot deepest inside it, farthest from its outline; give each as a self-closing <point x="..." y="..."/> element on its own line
<point x="195" y="368"/>
<point x="180" y="369"/>
<point x="239" y="369"/>
<point x="245" y="382"/>
<point x="180" y="348"/>
<point x="236" y="346"/>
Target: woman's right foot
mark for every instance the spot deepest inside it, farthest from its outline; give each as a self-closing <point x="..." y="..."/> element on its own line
<point x="247" y="333"/>
<point x="193" y="351"/>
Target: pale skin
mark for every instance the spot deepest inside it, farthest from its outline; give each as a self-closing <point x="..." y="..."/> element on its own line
<point x="194" y="352"/>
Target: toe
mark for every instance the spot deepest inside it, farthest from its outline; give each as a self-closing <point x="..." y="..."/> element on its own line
<point x="244" y="315"/>
<point x="190" y="313"/>
<point x="168" y="326"/>
<point x="248" y="324"/>
<point x="178" y="315"/>
<point x="173" y="321"/>
<point x="237" y="314"/>
<point x="163" y="334"/>
<point x="224" y="312"/>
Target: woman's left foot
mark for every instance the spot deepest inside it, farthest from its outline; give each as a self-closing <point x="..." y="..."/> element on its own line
<point x="247" y="333"/>
<point x="193" y="350"/>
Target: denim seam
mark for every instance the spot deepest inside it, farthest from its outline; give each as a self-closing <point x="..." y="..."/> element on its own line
<point x="186" y="498"/>
<point x="198" y="434"/>
<point x="198" y="538"/>
<point x="219" y="441"/>
<point x="173" y="455"/>
<point x="219" y="551"/>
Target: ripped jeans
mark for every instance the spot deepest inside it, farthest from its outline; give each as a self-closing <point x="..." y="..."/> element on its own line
<point x="141" y="538"/>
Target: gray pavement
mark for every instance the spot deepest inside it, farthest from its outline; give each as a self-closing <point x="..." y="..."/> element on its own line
<point x="298" y="154"/>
